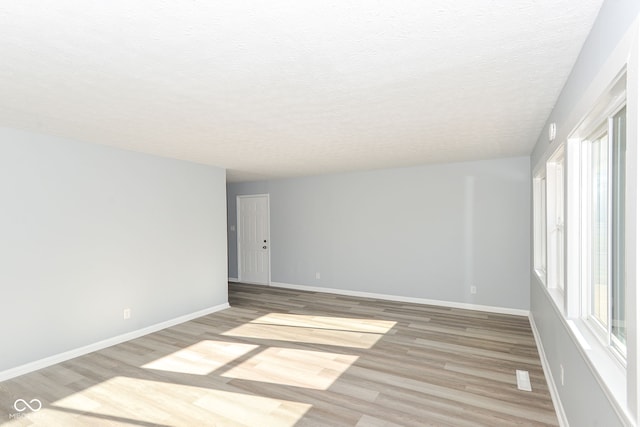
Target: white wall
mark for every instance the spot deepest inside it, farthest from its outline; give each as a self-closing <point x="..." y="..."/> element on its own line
<point x="87" y="230"/>
<point x="423" y="232"/>
<point x="583" y="396"/>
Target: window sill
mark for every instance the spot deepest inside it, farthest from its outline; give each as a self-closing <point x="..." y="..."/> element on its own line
<point x="542" y="277"/>
<point x="557" y="296"/>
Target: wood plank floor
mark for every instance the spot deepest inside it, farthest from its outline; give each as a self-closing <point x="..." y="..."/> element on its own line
<point x="290" y="358"/>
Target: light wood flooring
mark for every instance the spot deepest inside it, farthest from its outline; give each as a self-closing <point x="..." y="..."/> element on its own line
<point x="290" y="358"/>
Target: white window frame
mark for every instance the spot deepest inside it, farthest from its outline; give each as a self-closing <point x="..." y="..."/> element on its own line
<point x="613" y="370"/>
<point x="595" y="127"/>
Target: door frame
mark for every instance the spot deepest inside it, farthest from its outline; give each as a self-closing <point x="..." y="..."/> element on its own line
<point x="238" y="225"/>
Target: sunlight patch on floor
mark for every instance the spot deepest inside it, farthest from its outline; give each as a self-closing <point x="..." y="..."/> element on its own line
<point x="154" y="402"/>
<point x="327" y="322"/>
<point x="338" y="331"/>
<point x="299" y="368"/>
<point x="201" y="358"/>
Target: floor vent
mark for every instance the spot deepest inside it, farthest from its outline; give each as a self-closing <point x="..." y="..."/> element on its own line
<point x="524" y="383"/>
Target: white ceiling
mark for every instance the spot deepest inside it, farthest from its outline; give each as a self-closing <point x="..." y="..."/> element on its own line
<point x="286" y="88"/>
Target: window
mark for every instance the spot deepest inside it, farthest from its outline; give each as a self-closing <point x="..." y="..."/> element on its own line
<point x="555" y="221"/>
<point x="540" y="227"/>
<point x="618" y="319"/>
<point x="602" y="217"/>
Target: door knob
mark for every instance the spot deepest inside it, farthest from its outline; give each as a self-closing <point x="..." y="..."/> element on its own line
<point x="264" y="247"/>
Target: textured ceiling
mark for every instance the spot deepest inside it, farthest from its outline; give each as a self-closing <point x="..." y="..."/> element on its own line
<point x="281" y="88"/>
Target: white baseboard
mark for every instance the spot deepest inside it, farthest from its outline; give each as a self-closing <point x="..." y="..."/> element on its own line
<point x="248" y="282"/>
<point x="553" y="390"/>
<point x="236" y="280"/>
<point x="62" y="357"/>
<point x="486" y="308"/>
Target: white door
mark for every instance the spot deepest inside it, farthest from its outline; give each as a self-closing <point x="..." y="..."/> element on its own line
<point x="253" y="239"/>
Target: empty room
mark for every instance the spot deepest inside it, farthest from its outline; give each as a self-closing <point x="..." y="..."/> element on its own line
<point x="319" y="213"/>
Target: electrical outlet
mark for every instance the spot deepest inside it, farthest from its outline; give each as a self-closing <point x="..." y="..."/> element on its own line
<point x="473" y="290"/>
<point x="317" y="276"/>
<point x="561" y="375"/>
<point x="126" y="313"/>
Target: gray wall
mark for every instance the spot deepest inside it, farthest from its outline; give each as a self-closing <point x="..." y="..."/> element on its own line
<point x="424" y="232"/>
<point x="88" y="230"/>
<point x="583" y="399"/>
